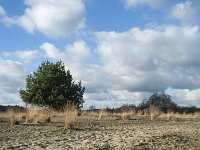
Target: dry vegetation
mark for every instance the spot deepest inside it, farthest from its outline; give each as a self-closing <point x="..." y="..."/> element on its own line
<point x="70" y="116"/>
<point x="127" y="129"/>
<point x="12" y="117"/>
<point x="154" y="113"/>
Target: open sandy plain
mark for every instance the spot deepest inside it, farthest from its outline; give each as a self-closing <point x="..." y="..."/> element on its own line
<point x="138" y="133"/>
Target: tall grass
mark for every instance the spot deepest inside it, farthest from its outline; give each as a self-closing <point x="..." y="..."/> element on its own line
<point x="154" y="113"/>
<point x="102" y="113"/>
<point x="71" y="114"/>
<point x="170" y="115"/>
<point x="32" y="116"/>
<point x="127" y="114"/>
<point x="12" y="118"/>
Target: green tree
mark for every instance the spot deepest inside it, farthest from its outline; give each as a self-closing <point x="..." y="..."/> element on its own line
<point x="52" y="86"/>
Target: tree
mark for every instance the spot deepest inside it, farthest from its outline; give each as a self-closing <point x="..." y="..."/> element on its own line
<point x="92" y="108"/>
<point x="160" y="100"/>
<point x="52" y="86"/>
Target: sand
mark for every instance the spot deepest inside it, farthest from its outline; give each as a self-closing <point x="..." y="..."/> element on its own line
<point x="138" y="133"/>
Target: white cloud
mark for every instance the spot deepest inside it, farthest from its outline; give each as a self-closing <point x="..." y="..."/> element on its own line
<point x="185" y="11"/>
<point x="151" y="3"/>
<point x="77" y="52"/>
<point x="186" y="96"/>
<point x="114" y="98"/>
<point x="2" y="11"/>
<point x="11" y="78"/>
<point x="22" y="56"/>
<point x="27" y="56"/>
<point x="50" y="17"/>
<point x="51" y="51"/>
<point x="152" y="59"/>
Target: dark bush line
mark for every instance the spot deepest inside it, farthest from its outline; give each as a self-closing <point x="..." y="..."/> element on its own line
<point x="187" y="109"/>
<point x="177" y="109"/>
<point x="15" y="108"/>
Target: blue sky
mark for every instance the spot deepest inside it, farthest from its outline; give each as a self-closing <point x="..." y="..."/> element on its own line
<point x="122" y="50"/>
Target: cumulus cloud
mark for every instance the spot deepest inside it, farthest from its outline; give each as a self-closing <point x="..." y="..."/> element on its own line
<point x="22" y="56"/>
<point x="152" y="59"/>
<point x="27" y="56"/>
<point x="114" y="98"/>
<point x="151" y="3"/>
<point x="11" y="78"/>
<point x="52" y="18"/>
<point x="185" y="11"/>
<point x="77" y="52"/>
<point x="51" y="51"/>
<point x="186" y="96"/>
<point x="2" y="11"/>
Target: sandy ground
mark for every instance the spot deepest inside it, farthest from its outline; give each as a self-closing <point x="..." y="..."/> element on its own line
<point x="137" y="133"/>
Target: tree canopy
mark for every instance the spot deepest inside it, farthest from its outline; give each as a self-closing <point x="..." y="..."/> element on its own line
<point x="160" y="100"/>
<point x="52" y="86"/>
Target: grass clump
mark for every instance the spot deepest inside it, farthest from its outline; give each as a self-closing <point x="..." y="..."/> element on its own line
<point x="71" y="114"/>
<point x="12" y="118"/>
<point x="154" y="113"/>
<point x="127" y="114"/>
<point x="170" y="115"/>
<point x="32" y="116"/>
<point x="102" y="113"/>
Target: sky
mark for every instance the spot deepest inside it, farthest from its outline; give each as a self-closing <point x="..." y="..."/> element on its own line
<point x="123" y="51"/>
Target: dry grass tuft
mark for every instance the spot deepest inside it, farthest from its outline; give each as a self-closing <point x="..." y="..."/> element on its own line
<point x="32" y="116"/>
<point x="12" y="118"/>
<point x="102" y="113"/>
<point x="47" y="114"/>
<point x="196" y="115"/>
<point x="70" y="116"/>
<point x="127" y="114"/>
<point x="170" y="115"/>
<point x="154" y="113"/>
<point x="38" y="116"/>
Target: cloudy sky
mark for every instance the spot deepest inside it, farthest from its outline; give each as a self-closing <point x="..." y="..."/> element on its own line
<point x="122" y="50"/>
